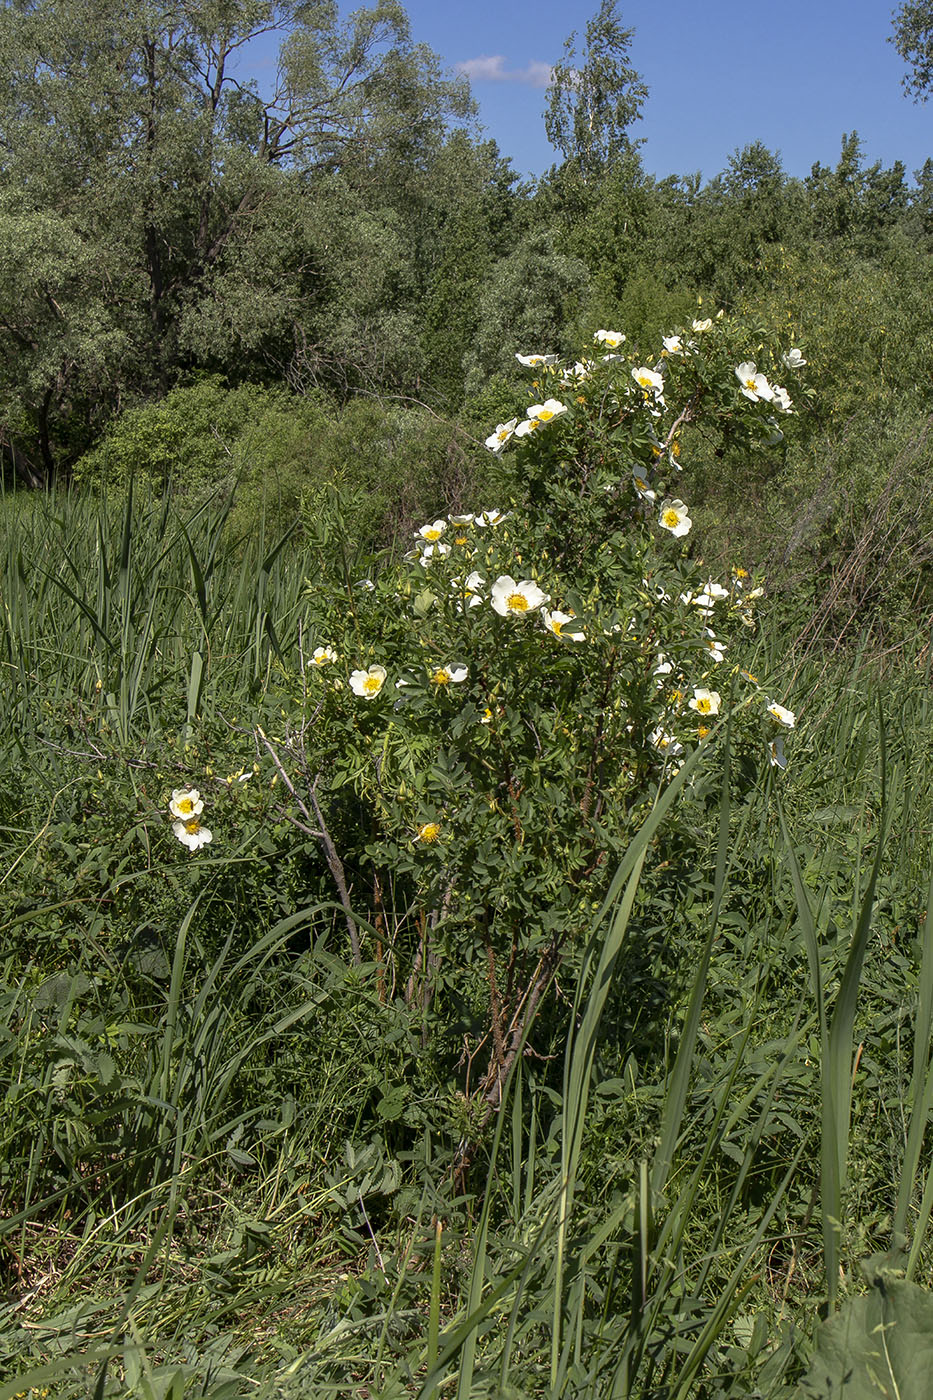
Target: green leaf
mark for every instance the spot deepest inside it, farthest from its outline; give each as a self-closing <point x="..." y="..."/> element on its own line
<point x="392" y="1103"/>
<point x="878" y="1347"/>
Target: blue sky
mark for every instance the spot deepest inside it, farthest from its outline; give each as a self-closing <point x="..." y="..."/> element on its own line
<point x="720" y="75"/>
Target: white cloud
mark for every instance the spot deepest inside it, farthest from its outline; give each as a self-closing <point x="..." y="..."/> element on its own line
<point x="491" y="69"/>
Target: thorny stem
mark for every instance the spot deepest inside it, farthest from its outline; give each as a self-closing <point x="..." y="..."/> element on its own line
<point x="321" y="834"/>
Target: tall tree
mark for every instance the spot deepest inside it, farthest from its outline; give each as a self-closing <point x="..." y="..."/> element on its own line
<point x="913" y="39"/>
<point x="595" y="96"/>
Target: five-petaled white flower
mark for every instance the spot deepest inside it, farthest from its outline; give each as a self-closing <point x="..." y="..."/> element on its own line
<point x="793" y="359"/>
<point x="705" y="702"/>
<point x="186" y="803"/>
<point x="323" y="656"/>
<point x="448" y="675"/>
<point x="544" y="412"/>
<point x="778" y="712"/>
<point x="557" y="621"/>
<point x="511" y="599"/>
<point x="611" y="339"/>
<point x="700" y="326"/>
<point x="191" y="833"/>
<point x="532" y="360"/>
<point x="496" y="441"/>
<point x="674" y="517"/>
<point x="432" y="533"/>
<point x="754" y="384"/>
<point x="782" y="400"/>
<point x="649" y="380"/>
<point x="489" y="517"/>
<point x="673" y="345"/>
<point x="368" y="684"/>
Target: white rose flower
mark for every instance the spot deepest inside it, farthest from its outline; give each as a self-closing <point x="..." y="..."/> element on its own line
<point x="544" y="412"/>
<point x="754" y="385"/>
<point x="705" y="702"/>
<point x="367" y="684"/>
<point x="778" y="712"/>
<point x="511" y="599"/>
<point x="674" y="517"/>
<point x="191" y="833"/>
<point x="497" y="440"/>
<point x="186" y="803"/>
<point x="448" y="675"/>
<point x="531" y="361"/>
<point x="557" y="622"/>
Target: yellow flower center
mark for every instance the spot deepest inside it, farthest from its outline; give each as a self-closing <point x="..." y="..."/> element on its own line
<point x="372" y="685"/>
<point x="193" y="826"/>
<point x="641" y="484"/>
<point x="429" y="832"/>
<point x="675" y="449"/>
<point x="185" y="805"/>
<point x="431" y="535"/>
<point x="441" y="676"/>
<point x="517" y="602"/>
<point x="702" y="731"/>
<point x="671" y="519"/>
<point x="704" y="706"/>
<point x="461" y="539"/>
<point x="750" y="384"/>
<point x="544" y="414"/>
<point x="503" y="433"/>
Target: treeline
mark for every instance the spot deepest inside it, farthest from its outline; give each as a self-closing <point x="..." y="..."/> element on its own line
<point x="342" y="229"/>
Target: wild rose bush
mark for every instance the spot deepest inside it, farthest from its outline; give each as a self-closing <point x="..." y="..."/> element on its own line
<point x="480" y="727"/>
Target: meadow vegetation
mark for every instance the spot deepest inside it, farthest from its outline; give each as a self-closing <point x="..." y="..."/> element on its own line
<point x="467" y="896"/>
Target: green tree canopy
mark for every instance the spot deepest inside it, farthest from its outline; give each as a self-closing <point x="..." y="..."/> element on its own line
<point x="913" y="39"/>
<point x="157" y="209"/>
<point x="595" y="96"/>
